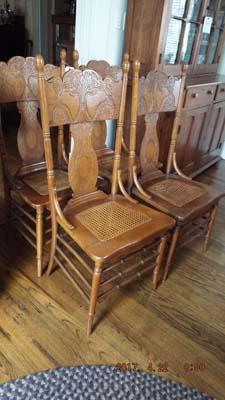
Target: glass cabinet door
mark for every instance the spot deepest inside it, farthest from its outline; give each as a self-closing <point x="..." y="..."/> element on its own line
<point x="64" y="38"/>
<point x="210" y="42"/>
<point x="188" y="42"/>
<point x="204" y="43"/>
<point x="182" y="31"/>
<point x="172" y="43"/>
<point x="190" y="39"/>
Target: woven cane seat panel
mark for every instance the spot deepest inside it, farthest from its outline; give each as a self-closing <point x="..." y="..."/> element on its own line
<point x="38" y="182"/>
<point x="176" y="193"/>
<point x="109" y="220"/>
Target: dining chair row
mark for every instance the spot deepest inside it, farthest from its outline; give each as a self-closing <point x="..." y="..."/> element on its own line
<point x="106" y="233"/>
<point x="192" y="204"/>
<point x="103" y="236"/>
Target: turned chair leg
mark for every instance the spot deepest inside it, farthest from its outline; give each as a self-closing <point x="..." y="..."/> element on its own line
<point x="54" y="227"/>
<point x="94" y="294"/>
<point x="171" y="252"/>
<point x="213" y="213"/>
<point x="159" y="259"/>
<point x="39" y="238"/>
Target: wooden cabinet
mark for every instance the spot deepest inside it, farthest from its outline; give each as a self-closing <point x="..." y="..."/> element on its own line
<point x="164" y="34"/>
<point x="201" y="133"/>
<point x="220" y="94"/>
<point x="213" y="135"/>
<point x="199" y="96"/>
<point x="187" y="148"/>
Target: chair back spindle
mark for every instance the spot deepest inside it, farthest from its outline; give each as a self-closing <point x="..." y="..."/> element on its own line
<point x="177" y="119"/>
<point x="133" y="122"/>
<point x="119" y="128"/>
<point x="61" y="144"/>
<point x="46" y="133"/>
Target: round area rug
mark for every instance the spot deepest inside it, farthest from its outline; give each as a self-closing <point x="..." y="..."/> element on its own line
<point x="96" y="383"/>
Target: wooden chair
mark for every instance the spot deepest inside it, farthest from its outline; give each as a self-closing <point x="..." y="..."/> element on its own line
<point x="27" y="190"/>
<point x="191" y="203"/>
<point x="100" y="241"/>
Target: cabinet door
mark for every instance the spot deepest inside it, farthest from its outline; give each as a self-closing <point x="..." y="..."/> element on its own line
<point x="183" y="30"/>
<point x="193" y="123"/>
<point x="211" y="41"/>
<point x="213" y="135"/>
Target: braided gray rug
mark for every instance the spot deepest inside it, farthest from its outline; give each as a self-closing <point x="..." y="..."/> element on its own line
<point x="96" y="383"/>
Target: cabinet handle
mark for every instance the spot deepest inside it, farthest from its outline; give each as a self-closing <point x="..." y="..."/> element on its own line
<point x="222" y="90"/>
<point x="209" y="92"/>
<point x="195" y="95"/>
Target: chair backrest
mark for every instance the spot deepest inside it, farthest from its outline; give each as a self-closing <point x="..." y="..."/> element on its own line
<point x="104" y="69"/>
<point x="78" y="99"/>
<point x="156" y="93"/>
<point x="18" y="81"/>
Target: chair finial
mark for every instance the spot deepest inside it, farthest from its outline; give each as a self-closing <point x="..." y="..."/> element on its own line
<point x="63" y="55"/>
<point x="75" y="58"/>
<point x="126" y="64"/>
<point x="136" y="66"/>
<point x="126" y="57"/>
<point x="39" y="63"/>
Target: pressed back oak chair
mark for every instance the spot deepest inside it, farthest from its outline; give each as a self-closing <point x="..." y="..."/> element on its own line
<point x="191" y="203"/>
<point x="26" y="190"/>
<point x="100" y="241"/>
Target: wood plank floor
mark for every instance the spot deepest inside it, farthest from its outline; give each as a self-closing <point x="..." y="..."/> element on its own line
<point x="43" y="321"/>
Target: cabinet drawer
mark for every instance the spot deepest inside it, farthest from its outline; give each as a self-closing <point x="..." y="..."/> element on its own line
<point x="220" y="94"/>
<point x="199" y="96"/>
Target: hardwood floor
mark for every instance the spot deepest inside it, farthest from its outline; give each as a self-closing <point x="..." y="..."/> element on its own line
<point x="43" y="321"/>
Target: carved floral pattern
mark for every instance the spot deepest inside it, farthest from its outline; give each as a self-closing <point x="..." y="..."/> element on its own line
<point x="156" y="93"/>
<point x="82" y="96"/>
<point x="18" y="79"/>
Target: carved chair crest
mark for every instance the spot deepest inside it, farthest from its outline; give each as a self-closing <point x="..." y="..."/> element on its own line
<point x="18" y="79"/>
<point x="156" y="93"/>
<point x="104" y="69"/>
<point x="82" y="96"/>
